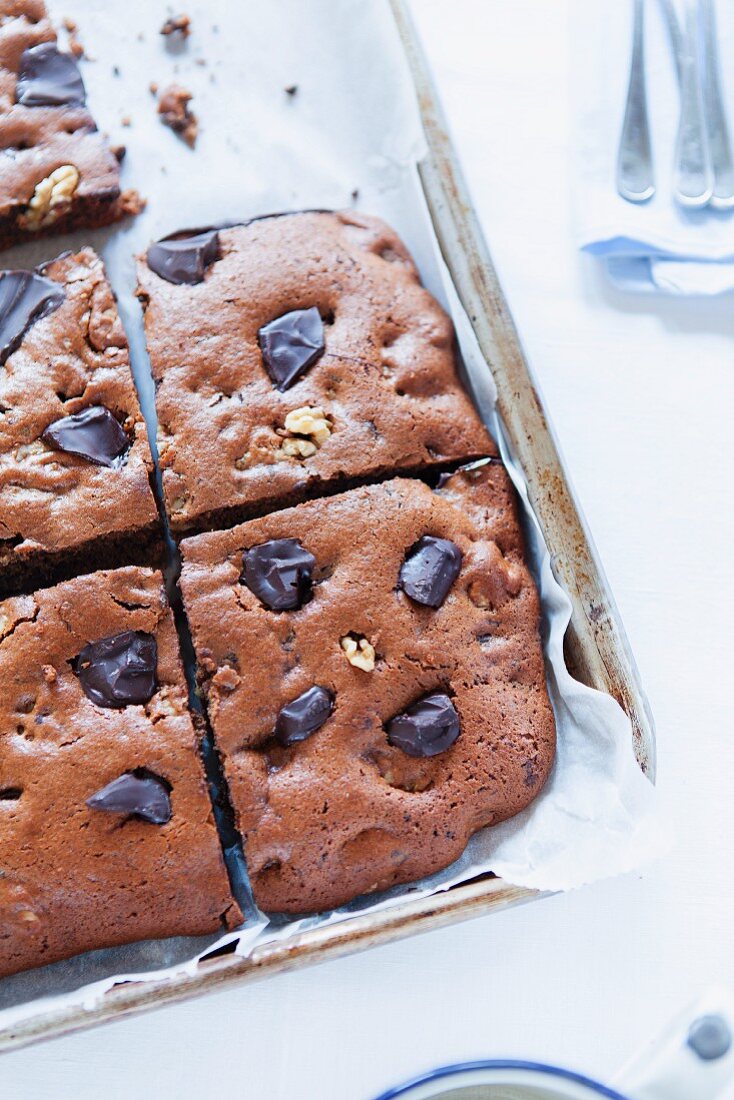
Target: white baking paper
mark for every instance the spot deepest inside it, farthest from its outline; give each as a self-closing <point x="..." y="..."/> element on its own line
<point x="350" y="136"/>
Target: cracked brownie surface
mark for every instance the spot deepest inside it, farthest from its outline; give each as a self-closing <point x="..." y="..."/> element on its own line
<point x="69" y="487"/>
<point x="375" y="681"/>
<point x="57" y="172"/>
<point x="106" y="831"/>
<point x="295" y="354"/>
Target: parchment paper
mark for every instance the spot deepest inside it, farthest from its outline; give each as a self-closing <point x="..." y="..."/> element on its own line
<point x="350" y="136"/>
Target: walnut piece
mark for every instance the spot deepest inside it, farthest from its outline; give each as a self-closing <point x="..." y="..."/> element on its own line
<point x="296" y="447"/>
<point x="165" y="704"/>
<point x="30" y="450"/>
<point x="358" y="652"/>
<point x="51" y="198"/>
<point x="104" y="327"/>
<point x="309" y="420"/>
<point x="496" y="580"/>
<point x="307" y="428"/>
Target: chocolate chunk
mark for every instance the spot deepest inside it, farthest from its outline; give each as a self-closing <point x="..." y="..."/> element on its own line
<point x="93" y="433"/>
<point x="184" y="259"/>
<point x="426" y="728"/>
<point x="291" y="344"/>
<point x="279" y="573"/>
<point x="430" y="568"/>
<point x="118" y="671"/>
<point x="138" y="793"/>
<point x="24" y="299"/>
<point x="301" y="717"/>
<point x="49" y="78"/>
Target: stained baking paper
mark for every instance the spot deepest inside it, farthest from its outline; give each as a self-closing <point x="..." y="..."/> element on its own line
<point x="348" y="137"/>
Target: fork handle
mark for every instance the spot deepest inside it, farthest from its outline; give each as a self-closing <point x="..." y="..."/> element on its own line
<point x="718" y="129"/>
<point x="635" y="179"/>
<point x="693" y="178"/>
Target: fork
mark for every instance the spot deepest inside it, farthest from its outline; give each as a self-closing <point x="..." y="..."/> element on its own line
<point x="704" y="165"/>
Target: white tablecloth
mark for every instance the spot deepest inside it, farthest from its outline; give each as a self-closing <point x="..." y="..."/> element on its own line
<point x="641" y="393"/>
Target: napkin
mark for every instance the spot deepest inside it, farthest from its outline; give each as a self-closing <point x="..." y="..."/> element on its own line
<point x="657" y="245"/>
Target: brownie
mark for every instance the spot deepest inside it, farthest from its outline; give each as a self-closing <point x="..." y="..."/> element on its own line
<point x="296" y="355"/>
<point x="57" y="172"/>
<point x="107" y="832"/>
<point x="375" y="681"/>
<point x="75" y="464"/>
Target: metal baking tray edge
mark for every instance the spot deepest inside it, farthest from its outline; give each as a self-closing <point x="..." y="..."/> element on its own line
<point x="597" y="649"/>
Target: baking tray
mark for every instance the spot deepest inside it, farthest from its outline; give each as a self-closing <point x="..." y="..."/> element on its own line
<point x="597" y="650"/>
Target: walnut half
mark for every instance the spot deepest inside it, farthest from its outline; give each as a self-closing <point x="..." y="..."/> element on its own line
<point x="306" y="429"/>
<point x="359" y="652"/>
<point x="51" y="199"/>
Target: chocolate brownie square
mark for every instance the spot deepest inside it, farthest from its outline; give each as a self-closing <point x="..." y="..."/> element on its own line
<point x="374" y="677"/>
<point x="296" y="355"/>
<point x="75" y="464"/>
<point x="57" y="172"/>
<point x="106" y="829"/>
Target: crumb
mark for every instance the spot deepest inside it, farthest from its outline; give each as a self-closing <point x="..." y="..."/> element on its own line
<point x="226" y="677"/>
<point x="75" y="46"/>
<point x="49" y="674"/>
<point x="177" y="24"/>
<point x="131" y="203"/>
<point x="291" y="89"/>
<point x="118" y="152"/>
<point x="153" y="87"/>
<point x="173" y="107"/>
<point x="125" y="120"/>
<point x="355" y="194"/>
<point x="200" y="61"/>
<point x="115" y="70"/>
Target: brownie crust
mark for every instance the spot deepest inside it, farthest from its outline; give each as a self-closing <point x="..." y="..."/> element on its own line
<point x="344" y="812"/>
<point x="38" y="140"/>
<point x="386" y="382"/>
<point x="76" y="878"/>
<point x="58" y="507"/>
